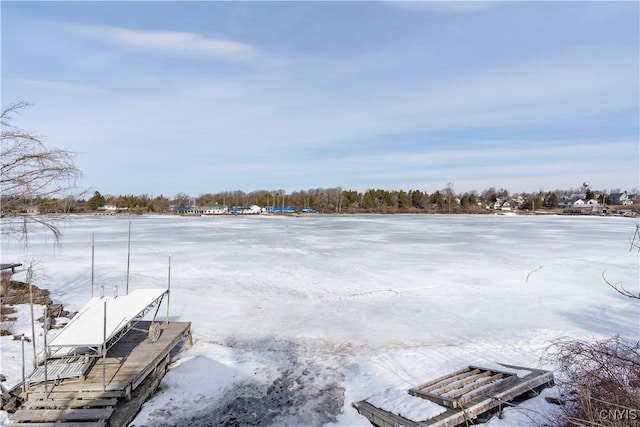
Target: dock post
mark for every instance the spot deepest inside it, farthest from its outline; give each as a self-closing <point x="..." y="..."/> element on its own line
<point x="128" y="259"/>
<point x="24" y="378"/>
<point x="104" y="349"/>
<point x="33" y="327"/>
<point x="92" y="260"/>
<point x="166" y="321"/>
<point x="46" y="390"/>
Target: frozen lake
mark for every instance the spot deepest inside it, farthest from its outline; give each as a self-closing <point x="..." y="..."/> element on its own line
<point x="368" y="301"/>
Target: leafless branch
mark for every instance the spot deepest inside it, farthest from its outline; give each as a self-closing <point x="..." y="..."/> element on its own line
<point x="30" y="172"/>
<point x="635" y="240"/>
<point x="619" y="288"/>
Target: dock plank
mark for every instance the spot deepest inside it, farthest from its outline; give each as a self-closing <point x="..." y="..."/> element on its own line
<point x="71" y="403"/>
<point x="69" y="424"/>
<point x="62" y="394"/>
<point x="52" y="415"/>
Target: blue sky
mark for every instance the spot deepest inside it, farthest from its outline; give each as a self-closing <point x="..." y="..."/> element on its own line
<point x="196" y="97"/>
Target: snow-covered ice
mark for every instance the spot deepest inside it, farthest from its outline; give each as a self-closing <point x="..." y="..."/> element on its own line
<point x="294" y="318"/>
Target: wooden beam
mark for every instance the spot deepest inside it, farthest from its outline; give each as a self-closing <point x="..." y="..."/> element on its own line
<point x="71" y="424"/>
<point x="51" y="415"/>
<point x="71" y="403"/>
<point x="75" y="394"/>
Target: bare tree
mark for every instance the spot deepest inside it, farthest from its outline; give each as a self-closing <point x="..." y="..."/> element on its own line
<point x="450" y="194"/>
<point x="30" y="172"/>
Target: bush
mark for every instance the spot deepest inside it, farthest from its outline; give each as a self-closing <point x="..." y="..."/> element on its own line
<point x="5" y="281"/>
<point x="599" y="382"/>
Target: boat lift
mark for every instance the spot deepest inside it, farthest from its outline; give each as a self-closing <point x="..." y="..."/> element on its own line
<point x="117" y="315"/>
<point x="97" y="327"/>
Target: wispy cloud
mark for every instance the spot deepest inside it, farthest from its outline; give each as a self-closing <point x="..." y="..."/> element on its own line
<point x="176" y="43"/>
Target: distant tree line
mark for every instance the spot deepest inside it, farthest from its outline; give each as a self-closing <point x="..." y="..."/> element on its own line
<point x="326" y="200"/>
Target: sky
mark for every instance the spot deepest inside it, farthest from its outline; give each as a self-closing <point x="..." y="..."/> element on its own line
<point x="204" y="97"/>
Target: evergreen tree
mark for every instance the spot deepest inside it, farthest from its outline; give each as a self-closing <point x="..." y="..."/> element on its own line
<point x="551" y="200"/>
<point x="404" y="200"/>
<point x="589" y="194"/>
<point x="96" y="201"/>
<point x="418" y="199"/>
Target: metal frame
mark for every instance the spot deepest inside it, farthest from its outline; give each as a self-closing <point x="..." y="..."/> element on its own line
<point x="77" y="368"/>
<point x="130" y="325"/>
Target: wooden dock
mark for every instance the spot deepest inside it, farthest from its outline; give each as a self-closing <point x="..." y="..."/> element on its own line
<point x="114" y="388"/>
<point x="11" y="267"/>
<point x="464" y="396"/>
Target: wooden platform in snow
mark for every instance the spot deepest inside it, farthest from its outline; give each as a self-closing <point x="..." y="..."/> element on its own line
<point x="10" y="266"/>
<point x="131" y="370"/>
<point x="454" y="399"/>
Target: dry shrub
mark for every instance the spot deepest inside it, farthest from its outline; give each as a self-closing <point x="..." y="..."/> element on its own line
<point x="599" y="382"/>
<point x="6" y="321"/>
<point x="7" y="327"/>
<point x="5" y="281"/>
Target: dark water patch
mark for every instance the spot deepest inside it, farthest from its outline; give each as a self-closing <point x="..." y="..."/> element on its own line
<point x="303" y="388"/>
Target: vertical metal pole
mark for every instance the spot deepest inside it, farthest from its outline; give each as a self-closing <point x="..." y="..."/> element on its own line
<point x="33" y="326"/>
<point x="24" y="378"/>
<point x="104" y="349"/>
<point x="92" y="260"/>
<point x="46" y="353"/>
<point x="128" y="258"/>
<point x="166" y="321"/>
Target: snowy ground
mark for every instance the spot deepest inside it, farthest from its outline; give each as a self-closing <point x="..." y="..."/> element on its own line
<point x="295" y="318"/>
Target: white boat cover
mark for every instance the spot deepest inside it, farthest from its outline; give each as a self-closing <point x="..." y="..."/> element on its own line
<point x="86" y="328"/>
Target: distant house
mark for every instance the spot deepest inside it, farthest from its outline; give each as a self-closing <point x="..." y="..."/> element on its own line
<point x="278" y="210"/>
<point x="215" y="209"/>
<point x="501" y="205"/>
<point x="622" y="199"/>
<point x="110" y="210"/>
<point x="33" y="210"/>
<point x="191" y="210"/>
<point x="569" y="201"/>
<point x="517" y="201"/>
<point x="245" y="210"/>
<point x="582" y="207"/>
<point x="590" y="202"/>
